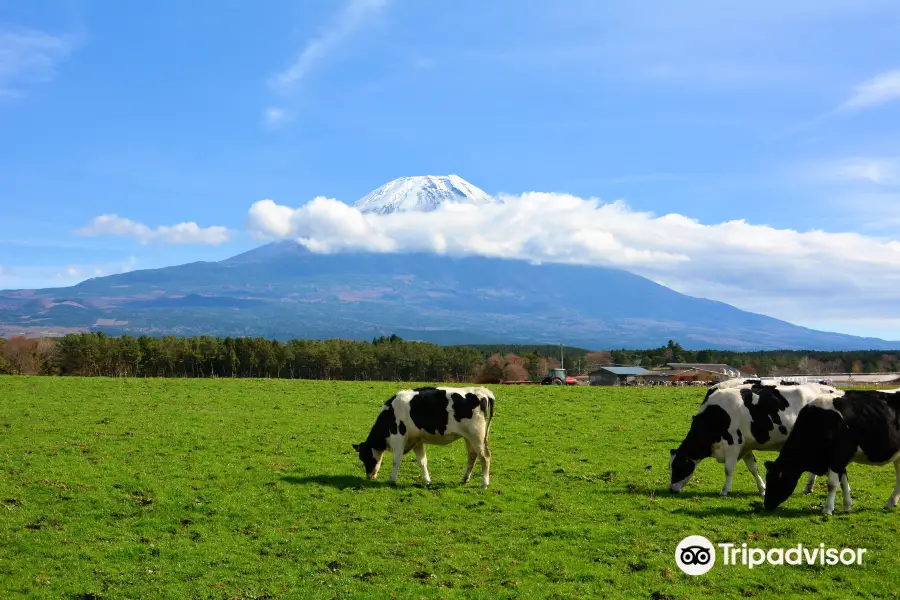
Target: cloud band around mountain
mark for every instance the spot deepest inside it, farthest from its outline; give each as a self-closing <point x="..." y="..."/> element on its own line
<point x="757" y="267"/>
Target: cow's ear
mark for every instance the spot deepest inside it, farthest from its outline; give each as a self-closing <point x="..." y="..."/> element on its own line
<point x="356" y="447"/>
<point x="672" y="452"/>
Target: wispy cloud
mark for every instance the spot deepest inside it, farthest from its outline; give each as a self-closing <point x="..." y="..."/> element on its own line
<point x="699" y="43"/>
<point x="878" y="90"/>
<point x="879" y="171"/>
<point x="35" y="277"/>
<point x="874" y="209"/>
<point x="883" y="171"/>
<point x="874" y="92"/>
<point x="181" y="233"/>
<point x="28" y="56"/>
<point x="353" y="17"/>
<point x="274" y="117"/>
<point x="861" y="192"/>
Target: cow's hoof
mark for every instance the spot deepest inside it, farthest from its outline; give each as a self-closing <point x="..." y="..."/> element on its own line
<point x="427" y="482"/>
<point x="828" y="512"/>
<point x="848" y="508"/>
<point x="890" y="506"/>
<point x="807" y="491"/>
<point x="762" y="492"/>
<point x="723" y="493"/>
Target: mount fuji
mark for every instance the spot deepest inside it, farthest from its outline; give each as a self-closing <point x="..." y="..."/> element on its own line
<point x="423" y="193"/>
<point x="284" y="290"/>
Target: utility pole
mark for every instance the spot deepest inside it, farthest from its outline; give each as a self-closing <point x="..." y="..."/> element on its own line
<point x="562" y="359"/>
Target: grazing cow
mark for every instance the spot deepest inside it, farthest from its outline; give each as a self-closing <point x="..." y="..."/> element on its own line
<point x="736" y="418"/>
<point x="413" y="418"/>
<point x="830" y="433"/>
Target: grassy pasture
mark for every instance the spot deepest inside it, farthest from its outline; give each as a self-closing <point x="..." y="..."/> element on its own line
<point x="249" y="489"/>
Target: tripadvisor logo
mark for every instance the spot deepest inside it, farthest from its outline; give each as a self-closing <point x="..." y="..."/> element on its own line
<point x="696" y="555"/>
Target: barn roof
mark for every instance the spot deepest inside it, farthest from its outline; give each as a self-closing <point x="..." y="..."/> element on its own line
<point x="705" y="366"/>
<point x="711" y="367"/>
<point x="624" y="370"/>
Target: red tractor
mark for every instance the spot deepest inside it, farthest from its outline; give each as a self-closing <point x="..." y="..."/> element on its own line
<point x="557" y="377"/>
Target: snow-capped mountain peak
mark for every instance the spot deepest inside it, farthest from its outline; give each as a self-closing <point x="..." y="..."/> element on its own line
<point x="422" y="193"/>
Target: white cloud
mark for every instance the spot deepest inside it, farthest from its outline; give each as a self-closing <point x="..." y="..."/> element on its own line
<point x="273" y="117"/>
<point x="28" y="56"/>
<point x="354" y="16"/>
<point x="781" y="272"/>
<point x="878" y="90"/>
<point x="266" y="219"/>
<point x="181" y="233"/>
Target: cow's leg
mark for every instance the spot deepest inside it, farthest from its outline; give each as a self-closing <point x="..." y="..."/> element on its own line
<point x="895" y="495"/>
<point x="750" y="461"/>
<point x="422" y="459"/>
<point x="833" y="483"/>
<point x="845" y="490"/>
<point x="398" y="445"/>
<point x="730" y="464"/>
<point x="810" y="483"/>
<point x="485" y="454"/>
<point x="472" y="456"/>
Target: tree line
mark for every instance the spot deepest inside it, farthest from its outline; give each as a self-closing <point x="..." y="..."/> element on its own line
<point x="384" y="358"/>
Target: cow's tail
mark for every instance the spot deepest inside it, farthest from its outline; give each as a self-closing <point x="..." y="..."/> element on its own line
<point x="490" y="418"/>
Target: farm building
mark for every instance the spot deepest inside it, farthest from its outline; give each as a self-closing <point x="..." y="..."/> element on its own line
<point x="717" y="372"/>
<point x="617" y="375"/>
<point x="695" y="375"/>
<point x="658" y="376"/>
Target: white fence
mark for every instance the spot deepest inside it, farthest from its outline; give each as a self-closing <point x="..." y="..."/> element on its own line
<point x="839" y="378"/>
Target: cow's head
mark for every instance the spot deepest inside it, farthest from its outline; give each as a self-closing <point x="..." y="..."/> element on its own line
<point x="780" y="484"/>
<point x="681" y="467"/>
<point x="370" y="457"/>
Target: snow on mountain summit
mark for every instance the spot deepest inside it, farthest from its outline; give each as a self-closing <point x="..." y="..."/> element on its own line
<point x="422" y="193"/>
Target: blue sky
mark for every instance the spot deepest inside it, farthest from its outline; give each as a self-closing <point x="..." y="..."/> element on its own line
<point x="784" y="115"/>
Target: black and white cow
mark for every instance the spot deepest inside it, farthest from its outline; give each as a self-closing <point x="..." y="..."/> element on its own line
<point x="413" y="418"/>
<point x="736" y="418"/>
<point x="830" y="433"/>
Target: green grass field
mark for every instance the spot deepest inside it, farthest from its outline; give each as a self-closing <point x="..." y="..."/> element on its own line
<point x="249" y="489"/>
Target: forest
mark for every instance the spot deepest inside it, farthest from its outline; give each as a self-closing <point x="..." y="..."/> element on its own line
<point x="383" y="359"/>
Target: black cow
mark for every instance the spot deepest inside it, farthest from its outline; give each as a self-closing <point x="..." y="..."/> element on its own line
<point x="829" y="434"/>
<point x="413" y="418"/>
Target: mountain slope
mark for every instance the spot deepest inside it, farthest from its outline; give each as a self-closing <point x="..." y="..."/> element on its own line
<point x="423" y="193"/>
<point x="283" y="290"/>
